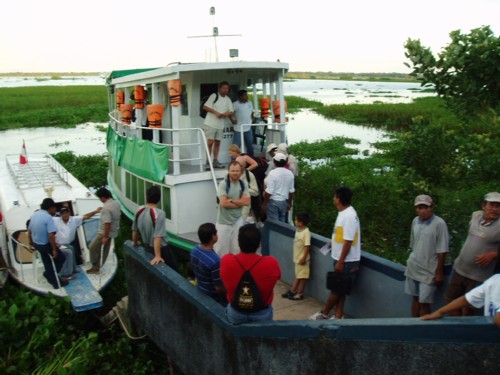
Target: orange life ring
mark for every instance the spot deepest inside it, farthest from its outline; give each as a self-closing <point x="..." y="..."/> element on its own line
<point x="155" y="114"/>
<point x="120" y="98"/>
<point x="277" y="110"/>
<point x="126" y="111"/>
<point x="139" y="96"/>
<point x="174" y="92"/>
<point x="264" y="107"/>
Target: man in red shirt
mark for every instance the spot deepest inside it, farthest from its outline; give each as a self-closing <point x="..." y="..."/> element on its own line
<point x="265" y="274"/>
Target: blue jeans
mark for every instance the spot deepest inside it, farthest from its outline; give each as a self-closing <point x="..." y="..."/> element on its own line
<point x="277" y="210"/>
<point x="46" y="254"/>
<point x="237" y="317"/>
<point x="69" y="265"/>
<point x="247" y="138"/>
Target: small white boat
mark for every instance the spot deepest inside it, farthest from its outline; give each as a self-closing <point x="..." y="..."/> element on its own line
<point x="23" y="186"/>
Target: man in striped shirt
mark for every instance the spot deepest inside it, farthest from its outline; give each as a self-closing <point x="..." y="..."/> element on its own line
<point x="206" y="264"/>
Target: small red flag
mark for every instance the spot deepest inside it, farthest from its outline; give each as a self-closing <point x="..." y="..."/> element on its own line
<point x="23" y="157"/>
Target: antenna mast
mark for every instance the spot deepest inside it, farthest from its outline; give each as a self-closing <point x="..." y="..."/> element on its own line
<point x="215" y="33"/>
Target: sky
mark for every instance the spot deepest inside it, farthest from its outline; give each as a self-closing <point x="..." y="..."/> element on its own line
<point x="316" y="35"/>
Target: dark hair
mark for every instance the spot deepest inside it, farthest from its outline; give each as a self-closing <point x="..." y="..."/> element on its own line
<point x="241" y="93"/>
<point x="280" y="163"/>
<point x="47" y="204"/>
<point x="249" y="238"/>
<point x="302" y="217"/>
<point x="103" y="193"/>
<point x="205" y="232"/>
<point x="153" y="195"/>
<point x="224" y="83"/>
<point x="344" y="194"/>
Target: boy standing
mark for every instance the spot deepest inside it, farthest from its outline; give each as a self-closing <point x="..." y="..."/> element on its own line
<point x="301" y="257"/>
<point x="425" y="267"/>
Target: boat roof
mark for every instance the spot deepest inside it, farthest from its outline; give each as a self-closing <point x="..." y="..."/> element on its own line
<point x="173" y="70"/>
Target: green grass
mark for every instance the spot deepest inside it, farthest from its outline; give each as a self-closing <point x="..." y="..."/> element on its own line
<point x="62" y="106"/>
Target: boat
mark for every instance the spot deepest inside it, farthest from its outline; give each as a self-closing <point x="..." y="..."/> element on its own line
<point x="171" y="151"/>
<point x="24" y="183"/>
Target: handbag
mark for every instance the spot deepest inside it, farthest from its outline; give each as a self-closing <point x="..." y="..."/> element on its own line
<point x="338" y="282"/>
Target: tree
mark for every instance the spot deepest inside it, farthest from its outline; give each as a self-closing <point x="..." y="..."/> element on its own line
<point x="466" y="73"/>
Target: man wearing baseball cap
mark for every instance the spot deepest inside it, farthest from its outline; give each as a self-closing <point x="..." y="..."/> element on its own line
<point x="478" y="256"/>
<point x="279" y="190"/>
<point x="429" y="240"/>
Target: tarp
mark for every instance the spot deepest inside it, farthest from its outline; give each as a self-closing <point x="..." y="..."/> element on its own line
<point x="144" y="158"/>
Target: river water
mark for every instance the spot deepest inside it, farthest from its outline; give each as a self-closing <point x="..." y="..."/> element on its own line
<point x="306" y="125"/>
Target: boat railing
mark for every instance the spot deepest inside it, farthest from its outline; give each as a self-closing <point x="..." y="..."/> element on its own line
<point x="60" y="170"/>
<point x="31" y="174"/>
<point x="260" y="131"/>
<point x="195" y="137"/>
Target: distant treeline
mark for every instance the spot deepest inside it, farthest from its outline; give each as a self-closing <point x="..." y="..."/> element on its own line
<point x="396" y="77"/>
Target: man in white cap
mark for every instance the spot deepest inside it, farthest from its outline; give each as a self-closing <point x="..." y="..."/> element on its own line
<point x="479" y="253"/>
<point x="429" y="242"/>
<point x="293" y="165"/>
<point x="279" y="191"/>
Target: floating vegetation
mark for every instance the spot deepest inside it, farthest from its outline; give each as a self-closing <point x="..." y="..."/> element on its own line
<point x="57" y="144"/>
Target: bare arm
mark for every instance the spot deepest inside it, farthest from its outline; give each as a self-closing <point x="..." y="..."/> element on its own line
<point x="306" y="254"/>
<point x="90" y="214"/>
<point x="53" y="245"/>
<point x="157" y="249"/>
<point x="439" y="276"/>
<point x="252" y="162"/>
<point x="135" y="237"/>
<point x="346" y="247"/>
<point x="496" y="319"/>
<point x="105" y="236"/>
<point x="453" y="305"/>
<point x="484" y="260"/>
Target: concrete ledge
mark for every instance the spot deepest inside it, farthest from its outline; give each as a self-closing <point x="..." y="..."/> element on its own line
<point x="191" y="328"/>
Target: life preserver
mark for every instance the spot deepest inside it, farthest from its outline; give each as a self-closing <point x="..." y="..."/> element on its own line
<point x="155" y="115"/>
<point x="277" y="110"/>
<point x="264" y="107"/>
<point x="174" y="92"/>
<point x="126" y="111"/>
<point x="120" y="98"/>
<point x="139" y="96"/>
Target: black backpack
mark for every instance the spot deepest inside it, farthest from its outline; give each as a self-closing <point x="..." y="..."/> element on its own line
<point x="247" y="297"/>
<point x="203" y="113"/>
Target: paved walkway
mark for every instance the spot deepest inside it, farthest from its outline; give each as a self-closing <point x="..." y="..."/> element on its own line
<point x="285" y="309"/>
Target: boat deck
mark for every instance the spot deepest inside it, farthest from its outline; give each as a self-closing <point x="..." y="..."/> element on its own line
<point x="285" y="309"/>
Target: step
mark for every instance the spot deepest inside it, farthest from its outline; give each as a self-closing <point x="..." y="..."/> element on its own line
<point x="82" y="293"/>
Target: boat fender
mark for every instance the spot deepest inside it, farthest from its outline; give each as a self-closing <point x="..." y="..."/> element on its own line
<point x="264" y="107"/>
<point x="139" y="96"/>
<point x="126" y="111"/>
<point x="155" y="115"/>
<point x="174" y="92"/>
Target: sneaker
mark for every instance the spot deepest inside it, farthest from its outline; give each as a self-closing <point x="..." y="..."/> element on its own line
<point x="333" y="317"/>
<point x="319" y="316"/>
<point x="218" y="165"/>
<point x="296" y="297"/>
<point x="288" y="294"/>
<point x="207" y="167"/>
<point x="93" y="270"/>
<point x="67" y="278"/>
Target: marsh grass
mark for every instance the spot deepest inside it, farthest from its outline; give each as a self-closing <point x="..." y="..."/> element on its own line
<point x="61" y="106"/>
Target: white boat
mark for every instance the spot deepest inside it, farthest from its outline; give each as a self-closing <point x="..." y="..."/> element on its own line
<point x="23" y="186"/>
<point x="173" y="155"/>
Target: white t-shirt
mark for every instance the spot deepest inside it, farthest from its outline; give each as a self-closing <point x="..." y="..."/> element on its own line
<point x="487" y="294"/>
<point x="66" y="231"/>
<point x="347" y="228"/>
<point x="279" y="184"/>
<point x="222" y="105"/>
<point x="243" y="113"/>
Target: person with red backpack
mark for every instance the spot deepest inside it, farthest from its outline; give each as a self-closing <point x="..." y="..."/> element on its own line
<point x="249" y="279"/>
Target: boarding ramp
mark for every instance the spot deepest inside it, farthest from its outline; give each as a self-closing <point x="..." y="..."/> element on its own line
<point x="82" y="293"/>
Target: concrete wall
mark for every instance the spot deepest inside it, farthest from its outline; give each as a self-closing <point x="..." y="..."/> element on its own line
<point x="379" y="288"/>
<point x="190" y="327"/>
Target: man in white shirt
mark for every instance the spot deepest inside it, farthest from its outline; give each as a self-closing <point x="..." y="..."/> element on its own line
<point x="243" y="114"/>
<point x="279" y="190"/>
<point x="66" y="232"/>
<point x="346" y="251"/>
<point x="219" y="107"/>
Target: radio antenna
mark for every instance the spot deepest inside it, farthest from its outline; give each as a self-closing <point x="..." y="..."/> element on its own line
<point x="215" y="33"/>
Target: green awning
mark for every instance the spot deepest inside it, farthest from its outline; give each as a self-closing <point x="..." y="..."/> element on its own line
<point x="122" y="73"/>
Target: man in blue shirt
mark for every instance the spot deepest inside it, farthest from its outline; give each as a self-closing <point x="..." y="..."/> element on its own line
<point x="206" y="264"/>
<point x="42" y="235"/>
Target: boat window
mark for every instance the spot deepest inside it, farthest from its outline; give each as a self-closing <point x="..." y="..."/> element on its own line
<point x="184" y="101"/>
<point x="20" y="244"/>
<point x="90" y="228"/>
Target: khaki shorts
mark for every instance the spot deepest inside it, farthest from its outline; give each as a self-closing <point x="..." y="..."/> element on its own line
<point x="302" y="271"/>
<point x="212" y="133"/>
<point x="424" y="292"/>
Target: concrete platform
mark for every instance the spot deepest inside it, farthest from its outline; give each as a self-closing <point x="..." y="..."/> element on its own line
<point x="285" y="309"/>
